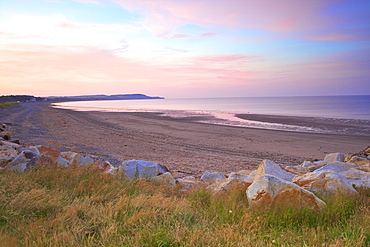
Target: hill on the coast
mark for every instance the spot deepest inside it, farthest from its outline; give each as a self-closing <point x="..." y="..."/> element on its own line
<point x="13" y="98"/>
<point x="103" y="97"/>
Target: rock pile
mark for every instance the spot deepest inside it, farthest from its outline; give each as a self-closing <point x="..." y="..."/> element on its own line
<point x="270" y="186"/>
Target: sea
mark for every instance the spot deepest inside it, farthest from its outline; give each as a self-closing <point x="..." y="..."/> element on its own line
<point x="349" y="115"/>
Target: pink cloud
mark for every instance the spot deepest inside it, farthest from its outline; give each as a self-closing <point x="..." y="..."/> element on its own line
<point x="227" y="58"/>
<point x="203" y="35"/>
<point x="278" y="16"/>
<point x="45" y="70"/>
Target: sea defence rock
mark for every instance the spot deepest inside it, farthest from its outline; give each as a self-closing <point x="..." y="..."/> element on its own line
<point x="189" y="183"/>
<point x="24" y="160"/>
<point x="243" y="175"/>
<point x="334" y="157"/>
<point x="357" y="177"/>
<point x="268" y="167"/>
<point x="227" y="185"/>
<point x="311" y="166"/>
<point x="165" y="178"/>
<point x="141" y="169"/>
<point x="326" y="183"/>
<point x="210" y="177"/>
<point x="48" y="154"/>
<point x="7" y="154"/>
<point x="66" y="159"/>
<point x="271" y="192"/>
<point x="338" y="167"/>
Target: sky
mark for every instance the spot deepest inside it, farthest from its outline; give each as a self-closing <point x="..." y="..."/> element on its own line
<point x="185" y="48"/>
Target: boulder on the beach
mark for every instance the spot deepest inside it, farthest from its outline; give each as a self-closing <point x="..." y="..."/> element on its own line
<point x="271" y="192"/>
<point x="367" y="151"/>
<point x="268" y="167"/>
<point x="326" y="183"/>
<point x="141" y="169"/>
<point x="48" y="154"/>
<point x="243" y="175"/>
<point x="334" y="157"/>
<point x="227" y="185"/>
<point x="312" y="166"/>
<point x="338" y="167"/>
<point x="363" y="164"/>
<point x="66" y="159"/>
<point x="7" y="154"/>
<point x="190" y="183"/>
<point x="357" y="177"/>
<point x="296" y="169"/>
<point x="25" y="160"/>
<point x="107" y="168"/>
<point x="165" y="178"/>
<point x="210" y="177"/>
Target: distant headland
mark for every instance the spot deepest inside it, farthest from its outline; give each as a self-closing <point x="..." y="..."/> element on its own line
<point x="26" y="98"/>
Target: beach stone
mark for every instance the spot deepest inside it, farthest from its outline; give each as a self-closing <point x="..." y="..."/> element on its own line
<point x="141" y="168"/>
<point x="334" y="157"/>
<point x="326" y="183"/>
<point x="243" y="175"/>
<point x="48" y="154"/>
<point x="357" y="177"/>
<point x="210" y="177"/>
<point x="20" y="168"/>
<point x="296" y="169"/>
<point x="314" y="165"/>
<point x="69" y="158"/>
<point x="7" y="154"/>
<point x="24" y="160"/>
<point x="272" y="192"/>
<point x="107" y="168"/>
<point x="357" y="158"/>
<point x="189" y="184"/>
<point x="268" y="167"/>
<point x="227" y="185"/>
<point x="367" y="151"/>
<point x="165" y="178"/>
<point x="339" y="167"/>
<point x="364" y="164"/>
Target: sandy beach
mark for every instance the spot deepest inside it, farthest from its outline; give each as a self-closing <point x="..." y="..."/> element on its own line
<point x="184" y="146"/>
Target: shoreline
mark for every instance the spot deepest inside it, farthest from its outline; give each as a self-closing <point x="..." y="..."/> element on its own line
<point x="185" y="146"/>
<point x="290" y="123"/>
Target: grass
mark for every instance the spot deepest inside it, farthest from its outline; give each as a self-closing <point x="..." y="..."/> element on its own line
<point x="53" y="206"/>
<point x="7" y="104"/>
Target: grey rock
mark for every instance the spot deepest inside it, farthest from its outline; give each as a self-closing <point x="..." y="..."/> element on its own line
<point x="210" y="177"/>
<point x="141" y="168"/>
<point x="333" y="157"/>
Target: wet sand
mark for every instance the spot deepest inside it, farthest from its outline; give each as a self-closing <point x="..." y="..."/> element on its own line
<point x="185" y="146"/>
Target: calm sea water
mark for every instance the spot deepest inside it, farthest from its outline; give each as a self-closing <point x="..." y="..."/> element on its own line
<point x="338" y="109"/>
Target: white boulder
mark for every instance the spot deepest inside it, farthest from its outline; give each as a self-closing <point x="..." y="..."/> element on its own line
<point x="210" y="177"/>
<point x="334" y="157"/>
<point x="268" y="167"/>
<point x="271" y="192"/>
<point x="141" y="168"/>
<point x="326" y="183"/>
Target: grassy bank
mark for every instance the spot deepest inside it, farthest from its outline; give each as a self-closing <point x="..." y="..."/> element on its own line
<point x="53" y="206"/>
<point x="8" y="104"/>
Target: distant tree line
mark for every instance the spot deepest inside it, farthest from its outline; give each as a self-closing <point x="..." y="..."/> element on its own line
<point x="14" y="98"/>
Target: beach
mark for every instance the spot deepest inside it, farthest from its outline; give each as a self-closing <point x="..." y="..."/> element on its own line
<point x="183" y="145"/>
